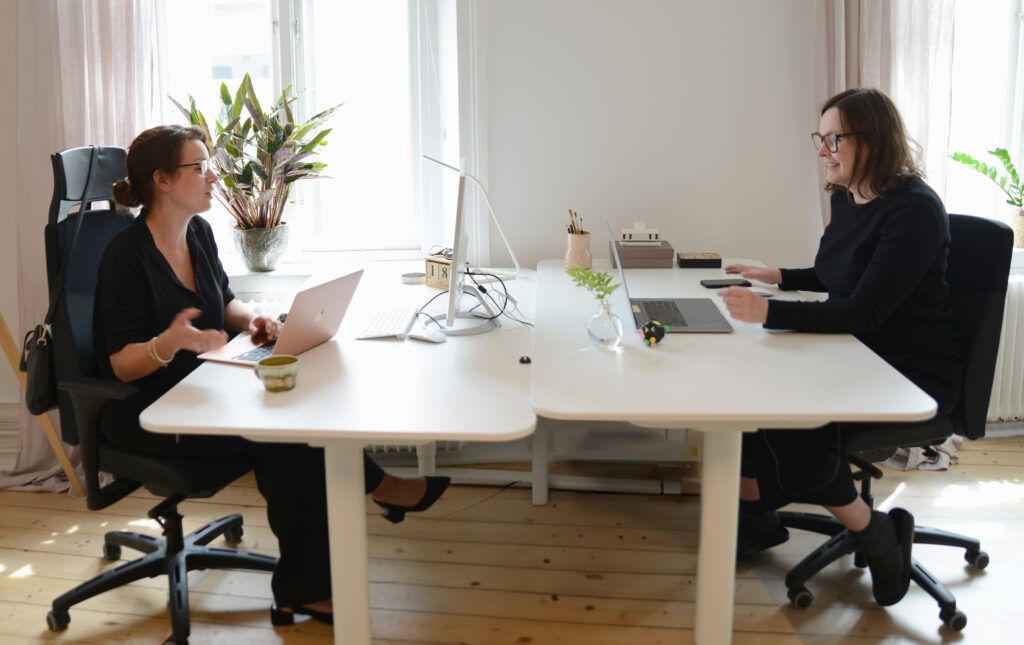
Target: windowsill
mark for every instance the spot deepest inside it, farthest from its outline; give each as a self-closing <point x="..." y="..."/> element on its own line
<point x="296" y="268"/>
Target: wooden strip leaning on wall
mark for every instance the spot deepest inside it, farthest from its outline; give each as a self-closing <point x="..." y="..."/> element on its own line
<point x="13" y="354"/>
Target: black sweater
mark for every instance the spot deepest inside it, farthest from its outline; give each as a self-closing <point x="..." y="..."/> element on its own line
<point x="883" y="265"/>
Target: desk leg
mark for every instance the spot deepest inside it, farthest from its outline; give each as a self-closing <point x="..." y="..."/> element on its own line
<point x="539" y="468"/>
<point x="346" y="515"/>
<point x="716" y="561"/>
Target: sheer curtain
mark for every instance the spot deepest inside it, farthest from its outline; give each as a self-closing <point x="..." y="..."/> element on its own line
<point x="905" y="49"/>
<point x="86" y="75"/>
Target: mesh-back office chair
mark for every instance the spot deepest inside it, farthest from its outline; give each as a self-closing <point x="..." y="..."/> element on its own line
<point x="84" y="396"/>
<point x="978" y="271"/>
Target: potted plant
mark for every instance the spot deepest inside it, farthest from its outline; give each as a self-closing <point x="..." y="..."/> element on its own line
<point x="1009" y="183"/>
<point x="604" y="327"/>
<point x="257" y="159"/>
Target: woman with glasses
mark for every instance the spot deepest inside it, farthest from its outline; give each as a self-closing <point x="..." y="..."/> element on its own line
<point x="162" y="298"/>
<point x="882" y="261"/>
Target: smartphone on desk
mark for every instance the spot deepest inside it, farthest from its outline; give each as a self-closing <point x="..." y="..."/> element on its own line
<point x="721" y="283"/>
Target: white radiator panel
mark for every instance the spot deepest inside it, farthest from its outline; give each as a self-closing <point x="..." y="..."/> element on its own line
<point x="1007" y="401"/>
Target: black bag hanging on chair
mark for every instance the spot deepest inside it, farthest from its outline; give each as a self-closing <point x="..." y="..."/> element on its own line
<point x="37" y="351"/>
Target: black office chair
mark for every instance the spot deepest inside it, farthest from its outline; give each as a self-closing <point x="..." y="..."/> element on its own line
<point x="83" y="396"/>
<point x="978" y="271"/>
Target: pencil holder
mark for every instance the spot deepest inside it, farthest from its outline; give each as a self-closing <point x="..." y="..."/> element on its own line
<point x="577" y="251"/>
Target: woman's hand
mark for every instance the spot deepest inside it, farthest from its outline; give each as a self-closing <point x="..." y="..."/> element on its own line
<point x="743" y="304"/>
<point x="767" y="275"/>
<point x="182" y="335"/>
<point x="136" y="360"/>
<point x="264" y="330"/>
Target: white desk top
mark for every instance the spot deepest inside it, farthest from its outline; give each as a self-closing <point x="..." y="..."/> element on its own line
<point x="379" y="391"/>
<point x="752" y="378"/>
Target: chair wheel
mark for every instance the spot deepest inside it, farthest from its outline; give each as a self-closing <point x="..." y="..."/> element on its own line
<point x="801" y="597"/>
<point x="955" y="620"/>
<point x="57" y="621"/>
<point x="111" y="551"/>
<point x="233" y="535"/>
<point x="977" y="559"/>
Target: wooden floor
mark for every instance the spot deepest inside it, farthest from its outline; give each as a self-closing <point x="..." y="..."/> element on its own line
<point x="484" y="566"/>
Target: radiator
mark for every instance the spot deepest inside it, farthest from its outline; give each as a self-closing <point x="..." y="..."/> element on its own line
<point x="1007" y="401"/>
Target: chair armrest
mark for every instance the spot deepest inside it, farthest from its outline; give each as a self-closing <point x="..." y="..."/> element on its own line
<point x="99" y="388"/>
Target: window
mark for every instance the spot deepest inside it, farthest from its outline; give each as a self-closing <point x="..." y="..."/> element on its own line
<point x="378" y="58"/>
<point x="987" y="90"/>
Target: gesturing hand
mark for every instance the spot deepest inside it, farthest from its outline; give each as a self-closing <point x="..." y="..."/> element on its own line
<point x="743" y="304"/>
<point x="264" y="329"/>
<point x="763" y="274"/>
<point x="182" y="335"/>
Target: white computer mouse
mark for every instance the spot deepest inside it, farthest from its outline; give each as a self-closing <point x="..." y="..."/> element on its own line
<point x="428" y="335"/>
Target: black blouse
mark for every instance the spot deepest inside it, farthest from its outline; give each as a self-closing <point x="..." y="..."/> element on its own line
<point x="883" y="265"/>
<point x="138" y="295"/>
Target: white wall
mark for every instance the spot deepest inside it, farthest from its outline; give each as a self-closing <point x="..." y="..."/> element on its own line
<point x="692" y="115"/>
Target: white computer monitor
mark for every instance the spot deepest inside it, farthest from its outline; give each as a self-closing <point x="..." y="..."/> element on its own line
<point x="459" y="321"/>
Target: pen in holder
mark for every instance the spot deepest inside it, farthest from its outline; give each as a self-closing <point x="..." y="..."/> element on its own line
<point x="577" y="252"/>
<point x="577" y="245"/>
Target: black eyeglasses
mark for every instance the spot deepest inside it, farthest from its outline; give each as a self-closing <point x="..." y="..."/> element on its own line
<point x="203" y="167"/>
<point x="829" y="140"/>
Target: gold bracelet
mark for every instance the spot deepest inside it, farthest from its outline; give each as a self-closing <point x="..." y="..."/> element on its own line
<point x="155" y="356"/>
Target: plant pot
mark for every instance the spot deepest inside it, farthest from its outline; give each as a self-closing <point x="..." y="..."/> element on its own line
<point x="604" y="328"/>
<point x="1014" y="216"/>
<point x="261" y="248"/>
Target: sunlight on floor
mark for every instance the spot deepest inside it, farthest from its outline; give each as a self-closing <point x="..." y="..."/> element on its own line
<point x="980" y="494"/>
<point x="887" y="503"/>
<point x="147" y="524"/>
<point x="23" y="572"/>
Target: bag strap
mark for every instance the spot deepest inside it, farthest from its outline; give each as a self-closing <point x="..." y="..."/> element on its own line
<point x="58" y="287"/>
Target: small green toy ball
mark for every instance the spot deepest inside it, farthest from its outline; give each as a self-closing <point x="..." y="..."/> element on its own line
<point x="653" y="332"/>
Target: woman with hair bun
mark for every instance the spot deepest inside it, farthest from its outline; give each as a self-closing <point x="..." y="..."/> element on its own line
<point x="162" y="298"/>
<point x="882" y="261"/>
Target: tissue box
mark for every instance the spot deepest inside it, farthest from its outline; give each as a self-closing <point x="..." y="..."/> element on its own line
<point x="643" y="257"/>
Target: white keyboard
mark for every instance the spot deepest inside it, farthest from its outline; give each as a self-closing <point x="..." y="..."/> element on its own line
<point x="390" y="323"/>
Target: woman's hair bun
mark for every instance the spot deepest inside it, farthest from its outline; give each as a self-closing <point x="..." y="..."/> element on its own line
<point x="124" y="194"/>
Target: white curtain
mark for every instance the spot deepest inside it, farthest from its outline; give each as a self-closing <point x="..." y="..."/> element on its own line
<point x="86" y="75"/>
<point x="905" y="49"/>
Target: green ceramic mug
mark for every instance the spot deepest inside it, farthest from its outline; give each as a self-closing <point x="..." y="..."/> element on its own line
<point x="278" y="373"/>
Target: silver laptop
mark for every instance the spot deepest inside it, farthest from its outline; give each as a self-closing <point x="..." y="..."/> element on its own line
<point x="314" y="317"/>
<point x="680" y="315"/>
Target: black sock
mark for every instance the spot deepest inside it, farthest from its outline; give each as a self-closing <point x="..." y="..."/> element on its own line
<point x="878" y="537"/>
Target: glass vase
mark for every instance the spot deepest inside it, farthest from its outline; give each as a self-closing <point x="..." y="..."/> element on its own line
<point x="604" y="327"/>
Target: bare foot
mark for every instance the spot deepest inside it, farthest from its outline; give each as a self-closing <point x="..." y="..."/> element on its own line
<point x="400" y="491"/>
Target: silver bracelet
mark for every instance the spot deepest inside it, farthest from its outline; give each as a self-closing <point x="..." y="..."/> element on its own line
<point x="155" y="356"/>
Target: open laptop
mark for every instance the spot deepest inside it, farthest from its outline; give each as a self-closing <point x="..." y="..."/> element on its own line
<point x="314" y="317"/>
<point x="680" y="315"/>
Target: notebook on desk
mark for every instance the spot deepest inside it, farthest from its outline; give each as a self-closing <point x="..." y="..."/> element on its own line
<point x="314" y="317"/>
<point x="680" y="315"/>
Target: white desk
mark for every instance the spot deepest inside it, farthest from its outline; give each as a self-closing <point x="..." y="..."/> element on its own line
<point x="720" y="384"/>
<point x="351" y="393"/>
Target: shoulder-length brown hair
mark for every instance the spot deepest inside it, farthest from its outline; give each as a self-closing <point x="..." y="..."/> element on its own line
<point x="891" y="156"/>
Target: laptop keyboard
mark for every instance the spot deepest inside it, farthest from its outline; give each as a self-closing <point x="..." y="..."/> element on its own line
<point x="391" y="323"/>
<point x="665" y="311"/>
<point x="257" y="353"/>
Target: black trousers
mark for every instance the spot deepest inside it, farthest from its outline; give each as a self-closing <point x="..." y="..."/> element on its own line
<point x="807" y="466"/>
<point x="291" y="479"/>
<point x="798" y="466"/>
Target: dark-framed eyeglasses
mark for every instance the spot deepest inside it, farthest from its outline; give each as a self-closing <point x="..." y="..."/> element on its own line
<point x="831" y="141"/>
<point x="202" y="167"/>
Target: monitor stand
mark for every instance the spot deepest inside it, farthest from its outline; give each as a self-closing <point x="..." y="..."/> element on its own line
<point x="480" y="325"/>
